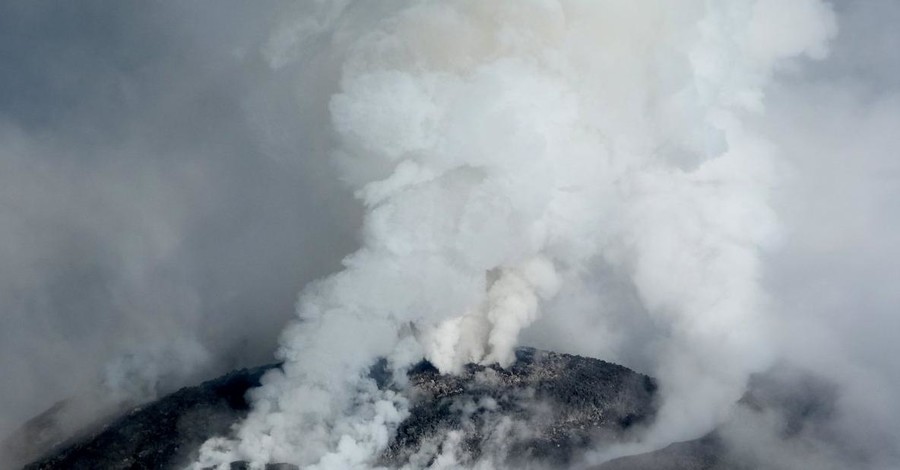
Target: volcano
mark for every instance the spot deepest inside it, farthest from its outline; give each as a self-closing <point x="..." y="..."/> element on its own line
<point x="544" y="410"/>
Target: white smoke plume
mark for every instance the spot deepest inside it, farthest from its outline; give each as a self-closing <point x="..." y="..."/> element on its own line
<point x="503" y="150"/>
<point x="166" y="188"/>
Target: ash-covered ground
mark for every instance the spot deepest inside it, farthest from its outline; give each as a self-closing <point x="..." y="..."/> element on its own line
<point x="544" y="411"/>
<point x="545" y="408"/>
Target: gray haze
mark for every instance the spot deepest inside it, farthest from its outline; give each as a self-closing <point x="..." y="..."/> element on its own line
<point x="162" y="200"/>
<point x="165" y="193"/>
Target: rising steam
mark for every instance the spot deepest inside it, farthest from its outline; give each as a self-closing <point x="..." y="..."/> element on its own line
<point x="502" y="149"/>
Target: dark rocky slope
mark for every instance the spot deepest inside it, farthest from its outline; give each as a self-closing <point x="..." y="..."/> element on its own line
<point x="546" y="408"/>
<point x="551" y="405"/>
<point x="162" y="434"/>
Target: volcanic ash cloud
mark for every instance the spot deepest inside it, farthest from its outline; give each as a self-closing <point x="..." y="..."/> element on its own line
<point x="500" y="149"/>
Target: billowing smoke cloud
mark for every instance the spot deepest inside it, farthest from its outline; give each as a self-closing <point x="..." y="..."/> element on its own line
<point x="502" y="150"/>
<point x="697" y="190"/>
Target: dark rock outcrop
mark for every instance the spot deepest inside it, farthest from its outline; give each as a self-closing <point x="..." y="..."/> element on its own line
<point x="545" y="408"/>
<point x="701" y="454"/>
<point x="551" y="406"/>
<point x="162" y="434"/>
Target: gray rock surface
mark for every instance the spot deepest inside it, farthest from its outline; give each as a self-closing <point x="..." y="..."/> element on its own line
<point x="162" y="434"/>
<point x="546" y="408"/>
<point x="701" y="454"/>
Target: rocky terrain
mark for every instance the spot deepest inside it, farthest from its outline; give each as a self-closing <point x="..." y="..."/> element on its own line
<point x="544" y="409"/>
<point x="162" y="434"/>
